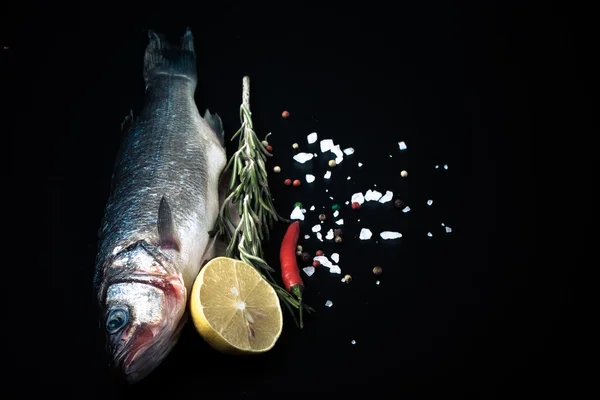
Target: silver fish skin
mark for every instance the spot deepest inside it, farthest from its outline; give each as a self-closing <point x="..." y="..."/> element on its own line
<point x="164" y="200"/>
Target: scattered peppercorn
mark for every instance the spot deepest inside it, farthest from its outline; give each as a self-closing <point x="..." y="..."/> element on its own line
<point x="270" y="148"/>
<point x="338" y="239"/>
<point x="297" y="182"/>
<point x="403" y="174"/>
<point x="332" y="163"/>
<point x="322" y="217"/>
<point x="299" y="253"/>
<point x="347" y="278"/>
<point x="316" y="263"/>
<point x="335" y="207"/>
<point x="319" y="252"/>
<point x="377" y="270"/>
<point x="287" y="182"/>
<point x="305" y="256"/>
<point x="355" y="205"/>
<point x="277" y="169"/>
<point x="337" y="232"/>
<point x="299" y="247"/>
<point x="398" y="203"/>
<point x="285" y="114"/>
<point x="295" y="146"/>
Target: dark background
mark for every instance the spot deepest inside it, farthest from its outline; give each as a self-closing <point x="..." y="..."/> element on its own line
<point x="463" y="83"/>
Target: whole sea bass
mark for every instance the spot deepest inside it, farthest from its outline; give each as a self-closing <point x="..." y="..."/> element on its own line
<point x="164" y="201"/>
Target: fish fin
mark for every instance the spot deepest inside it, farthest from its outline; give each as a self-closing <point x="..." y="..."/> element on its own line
<point x="187" y="41"/>
<point x="162" y="58"/>
<point x="166" y="227"/>
<point x="215" y="123"/>
<point x="127" y="122"/>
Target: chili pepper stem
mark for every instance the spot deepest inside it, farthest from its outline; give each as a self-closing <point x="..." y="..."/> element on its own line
<point x="296" y="290"/>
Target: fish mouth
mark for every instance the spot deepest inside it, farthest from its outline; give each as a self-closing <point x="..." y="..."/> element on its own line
<point x="146" y="349"/>
<point x="143" y="347"/>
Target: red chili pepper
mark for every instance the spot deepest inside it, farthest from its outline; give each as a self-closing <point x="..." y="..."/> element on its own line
<point x="290" y="273"/>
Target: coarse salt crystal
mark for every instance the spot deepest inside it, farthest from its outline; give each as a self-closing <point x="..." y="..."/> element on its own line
<point x="377" y="282"/>
<point x="339" y="155"/>
<point x="347" y="202"/>
<point x="365" y="234"/>
<point x="311" y="138"/>
<point x="297" y="214"/>
<point x="445" y="166"/>
<point x="328" y="303"/>
<point x="353" y="342"/>
<point x="406" y="209"/>
<point x="340" y="221"/>
<point x="335" y="257"/>
<point x="310" y="178"/>
<point x="349" y="151"/>
<point x="312" y="208"/>
<point x="319" y="236"/>
<point x="402" y="145"/>
<point x="357" y="198"/>
<point x="348" y="178"/>
<point x="329" y="235"/>
<point x="309" y="270"/>
<point x="303" y="157"/>
<point x="360" y="164"/>
<point x="437" y="166"/>
<point x="448" y="229"/>
<point x="390" y="235"/>
<point x="303" y="211"/>
<point x="327" y="175"/>
<point x="316" y="228"/>
<point x="326" y="145"/>
<point x="387" y="197"/>
<point x="429" y="234"/>
<point x="323" y="260"/>
<point x="336" y="213"/>
<point x="334" y="269"/>
<point x="331" y="197"/>
<point x="372" y="195"/>
<point x="306" y="236"/>
<point x="429" y="202"/>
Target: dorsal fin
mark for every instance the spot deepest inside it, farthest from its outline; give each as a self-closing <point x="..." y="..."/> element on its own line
<point x="127" y="122"/>
<point x="215" y="123"/>
<point x="167" y="234"/>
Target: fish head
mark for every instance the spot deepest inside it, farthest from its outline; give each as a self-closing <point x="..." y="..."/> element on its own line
<point x="142" y="320"/>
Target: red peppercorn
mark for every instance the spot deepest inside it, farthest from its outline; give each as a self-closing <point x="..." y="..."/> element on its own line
<point x="287" y="182"/>
<point x="285" y="114"/>
<point x="297" y="182"/>
<point x="270" y="148"/>
<point x="319" y="252"/>
<point x="355" y="206"/>
<point x="316" y="264"/>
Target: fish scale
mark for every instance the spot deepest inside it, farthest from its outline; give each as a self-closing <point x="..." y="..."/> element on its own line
<point x="164" y="200"/>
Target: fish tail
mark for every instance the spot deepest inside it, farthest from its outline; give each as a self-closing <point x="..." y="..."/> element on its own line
<point x="162" y="58"/>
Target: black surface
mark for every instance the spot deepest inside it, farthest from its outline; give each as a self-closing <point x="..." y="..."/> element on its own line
<point x="455" y="314"/>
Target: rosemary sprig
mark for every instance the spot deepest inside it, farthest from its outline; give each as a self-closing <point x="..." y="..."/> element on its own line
<point x="250" y="195"/>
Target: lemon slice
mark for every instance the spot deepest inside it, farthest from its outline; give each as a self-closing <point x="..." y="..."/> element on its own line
<point x="234" y="309"/>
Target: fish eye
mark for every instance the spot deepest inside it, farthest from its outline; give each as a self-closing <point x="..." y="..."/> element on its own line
<point x="116" y="320"/>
